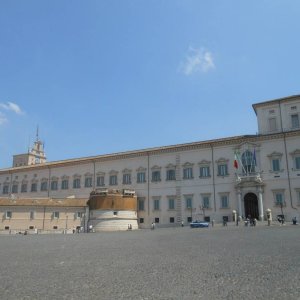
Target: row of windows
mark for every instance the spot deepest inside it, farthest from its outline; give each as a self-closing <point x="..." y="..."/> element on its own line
<point x="55" y="215"/>
<point x="188" y="219"/>
<point x="205" y="202"/>
<point x="294" y="122"/>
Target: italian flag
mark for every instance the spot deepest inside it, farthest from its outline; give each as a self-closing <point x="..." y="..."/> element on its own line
<point x="235" y="163"/>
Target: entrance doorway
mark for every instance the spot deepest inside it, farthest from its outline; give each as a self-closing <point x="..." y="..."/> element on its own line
<point x="251" y="206"/>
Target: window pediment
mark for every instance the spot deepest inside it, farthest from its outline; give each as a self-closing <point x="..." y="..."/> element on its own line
<point x="275" y="155"/>
<point x="170" y="166"/>
<point x="54" y="178"/>
<point x="156" y="168"/>
<point x="141" y="169"/>
<point x="295" y="153"/>
<point x="76" y="176"/>
<point x="64" y="177"/>
<point x="113" y="172"/>
<point x="187" y="164"/>
<point x="204" y="162"/>
<point x="126" y="171"/>
<point x="222" y="160"/>
<point x="100" y="174"/>
<point x="88" y="174"/>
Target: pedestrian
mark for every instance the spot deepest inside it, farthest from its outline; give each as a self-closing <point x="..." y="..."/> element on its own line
<point x="212" y="223"/>
<point x="182" y="224"/>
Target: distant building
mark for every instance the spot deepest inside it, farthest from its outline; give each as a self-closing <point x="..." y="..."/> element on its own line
<point x="201" y="180"/>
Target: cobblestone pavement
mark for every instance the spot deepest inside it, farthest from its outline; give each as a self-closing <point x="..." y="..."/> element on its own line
<point x="175" y="263"/>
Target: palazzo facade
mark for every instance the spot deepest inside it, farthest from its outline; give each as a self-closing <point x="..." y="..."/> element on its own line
<point x="212" y="180"/>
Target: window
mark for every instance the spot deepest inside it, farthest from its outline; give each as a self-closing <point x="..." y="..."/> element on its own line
<point x="188" y="173"/>
<point x="6" y="189"/>
<point x="171" y="203"/>
<point x="56" y="215"/>
<point x="113" y="180"/>
<point x="24" y="188"/>
<point x="14" y="189"/>
<point x="189" y="219"/>
<point x="156" y="204"/>
<point x="31" y="214"/>
<point x="100" y="181"/>
<point x="141" y="204"/>
<point x="295" y="120"/>
<point x="188" y="202"/>
<point x="275" y="165"/>
<point x="8" y="214"/>
<point x="127" y="178"/>
<point x="222" y="170"/>
<point x="224" y="201"/>
<point x="78" y="215"/>
<point x="76" y="183"/>
<point x="88" y="182"/>
<point x="156" y="220"/>
<point x="65" y="184"/>
<point x="141" y="220"/>
<point x="141" y="177"/>
<point x="248" y="161"/>
<point x="204" y="171"/>
<point x="34" y="187"/>
<point x="205" y="201"/>
<point x="155" y="176"/>
<point x="272" y="124"/>
<point x="171" y="175"/>
<point x="44" y="186"/>
<point x="172" y="220"/>
<point x="279" y="198"/>
<point x="54" y="185"/>
<point x="298" y="196"/>
<point x="297" y="162"/>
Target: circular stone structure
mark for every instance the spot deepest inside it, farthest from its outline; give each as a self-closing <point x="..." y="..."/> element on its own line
<point x="113" y="210"/>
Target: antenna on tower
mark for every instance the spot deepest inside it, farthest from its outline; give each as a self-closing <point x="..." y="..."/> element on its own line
<point x="37" y="133"/>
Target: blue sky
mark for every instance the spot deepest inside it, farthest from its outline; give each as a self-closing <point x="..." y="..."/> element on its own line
<point x="108" y="76"/>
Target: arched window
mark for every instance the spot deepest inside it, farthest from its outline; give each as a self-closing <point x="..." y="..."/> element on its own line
<point x="248" y="162"/>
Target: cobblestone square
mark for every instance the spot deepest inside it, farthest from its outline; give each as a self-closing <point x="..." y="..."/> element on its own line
<point x="165" y="263"/>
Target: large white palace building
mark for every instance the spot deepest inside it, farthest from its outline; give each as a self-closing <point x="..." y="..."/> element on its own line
<point x="210" y="180"/>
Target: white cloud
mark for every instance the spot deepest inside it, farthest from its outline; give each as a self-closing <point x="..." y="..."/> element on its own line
<point x="12" y="107"/>
<point x="197" y="60"/>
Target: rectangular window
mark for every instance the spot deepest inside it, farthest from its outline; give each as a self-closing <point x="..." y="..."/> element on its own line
<point x="76" y="183"/>
<point x="275" y="165"/>
<point x="141" y="177"/>
<point x="8" y="215"/>
<point x="54" y="185"/>
<point x="272" y="124"/>
<point x="56" y="215"/>
<point x="205" y="201"/>
<point x="78" y="214"/>
<point x="33" y="187"/>
<point x="188" y="173"/>
<point x="5" y="189"/>
<point x="44" y="186"/>
<point x="24" y="188"/>
<point x="204" y="171"/>
<point x="141" y="220"/>
<point x="100" y="181"/>
<point x="298" y="197"/>
<point x="156" y="204"/>
<point x="279" y="198"/>
<point x="156" y="220"/>
<point x="189" y="219"/>
<point x="295" y="121"/>
<point x="113" y="180"/>
<point x="172" y="220"/>
<point x="171" y="175"/>
<point x="126" y="178"/>
<point x="297" y="163"/>
<point x="14" y="189"/>
<point x="171" y="203"/>
<point x="31" y="215"/>
<point x="65" y="184"/>
<point x="222" y="170"/>
<point x="88" y="182"/>
<point x="156" y="176"/>
<point x="141" y="204"/>
<point x="188" y="202"/>
<point x="224" y="201"/>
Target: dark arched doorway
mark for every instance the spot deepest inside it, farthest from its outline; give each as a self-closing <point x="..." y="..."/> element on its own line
<point x="251" y="205"/>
